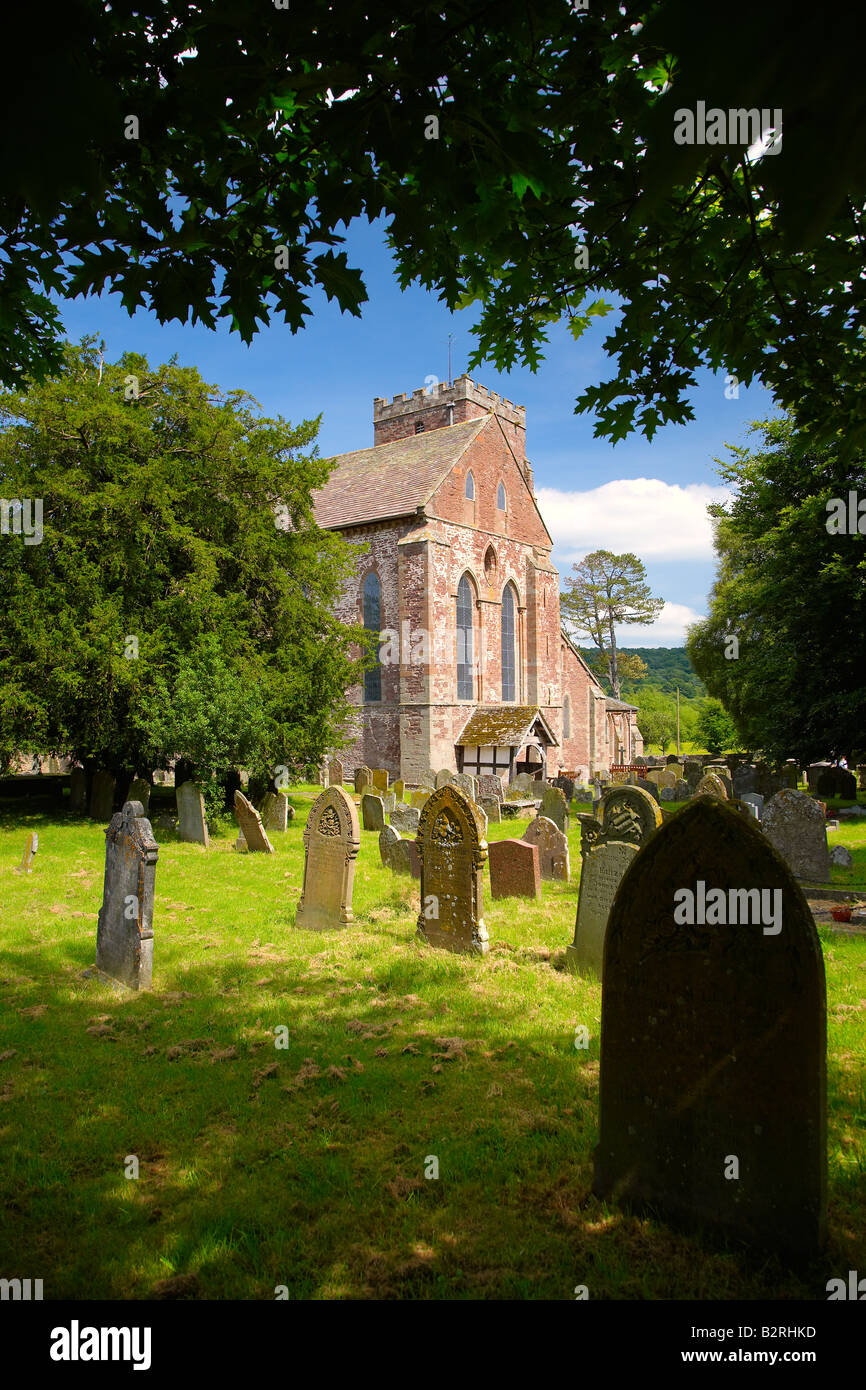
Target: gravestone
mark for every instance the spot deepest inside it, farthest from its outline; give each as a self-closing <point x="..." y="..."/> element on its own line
<point x="427" y="778"/>
<point x="646" y="786"/>
<point x="514" y="869"/>
<point x="524" y="784"/>
<point x="713" y="1038"/>
<point x="331" y="843"/>
<point x="629" y="818"/>
<point x="667" y="794"/>
<point x="443" y="778"/>
<point x="420" y="798"/>
<point x="191" y="821"/>
<point x="78" y="790"/>
<point x="335" y="773"/>
<point x="492" y="808"/>
<point x="275" y="812"/>
<point x="665" y="779"/>
<point x="398" y="788"/>
<point x="837" y="781"/>
<point x="795" y="826"/>
<point x="139" y="790"/>
<point x="744" y="779"/>
<point x="102" y="796"/>
<point x="453" y="851"/>
<point x="372" y="812"/>
<point x="124" y="932"/>
<point x="389" y="838"/>
<point x="711" y="785"/>
<point x="363" y="778"/>
<point x="467" y="783"/>
<point x="250" y="822"/>
<point x="405" y="819"/>
<point x="566" y="786"/>
<point x="397" y="854"/>
<point x="26" y="865"/>
<point x="813" y="772"/>
<point x="489" y="785"/>
<point x="756" y="802"/>
<point x="555" y="807"/>
<point x="841" y="856"/>
<point x="553" y="862"/>
<point x="720" y="770"/>
<point x="694" y="773"/>
<point x="380" y="779"/>
<point x="389" y="801"/>
<point x="681" y="789"/>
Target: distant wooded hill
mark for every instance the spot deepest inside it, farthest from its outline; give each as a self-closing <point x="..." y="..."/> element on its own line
<point x="667" y="668"/>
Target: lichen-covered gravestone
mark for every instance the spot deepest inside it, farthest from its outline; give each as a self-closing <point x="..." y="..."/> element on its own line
<point x="421" y="797"/>
<point x="398" y="789"/>
<point x="713" y="1038"/>
<point x="332" y="839"/>
<point x="514" y="871"/>
<point x="489" y="785"/>
<point x="405" y="819"/>
<point x="467" y="783"/>
<point x="453" y="851"/>
<point x="712" y="785"/>
<point x="363" y="778"/>
<point x="492" y="808"/>
<point x="372" y="812"/>
<point x="124" y="933"/>
<point x="552" y="845"/>
<point x="628" y="817"/>
<point x="250" y="822"/>
<point x="191" y="821"/>
<point x="555" y="807"/>
<point x="443" y="777"/>
<point x="102" y="796"/>
<point x="795" y="826"/>
<point x="397" y="854"/>
<point x="380" y="779"/>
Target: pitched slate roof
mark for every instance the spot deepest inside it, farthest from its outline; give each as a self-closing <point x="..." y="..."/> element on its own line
<point x="501" y="726"/>
<point x="392" y="480"/>
<point x="612" y="704"/>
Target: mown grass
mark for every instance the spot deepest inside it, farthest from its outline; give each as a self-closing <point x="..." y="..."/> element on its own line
<point x="305" y="1166"/>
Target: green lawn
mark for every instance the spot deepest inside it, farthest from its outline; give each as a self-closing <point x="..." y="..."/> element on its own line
<point x="305" y="1167"/>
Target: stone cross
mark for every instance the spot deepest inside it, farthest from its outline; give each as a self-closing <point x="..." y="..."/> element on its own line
<point x="332" y="838"/>
<point x="553" y="861"/>
<point x="453" y="852"/>
<point x="713" y="1038"/>
<point x="124" y="933"/>
<point x="250" y="822"/>
<point x="629" y="817"/>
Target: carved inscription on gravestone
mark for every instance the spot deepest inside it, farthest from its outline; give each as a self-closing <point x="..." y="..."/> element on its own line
<point x="453" y="853"/>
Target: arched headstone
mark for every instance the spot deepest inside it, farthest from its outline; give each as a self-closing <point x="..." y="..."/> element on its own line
<point x="453" y="852"/>
<point x="552" y="848"/>
<point x="713" y="1037"/>
<point x="332" y="838"/>
<point x="124" y="932"/>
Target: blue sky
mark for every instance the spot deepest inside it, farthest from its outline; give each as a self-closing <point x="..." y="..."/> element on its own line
<point x="590" y="492"/>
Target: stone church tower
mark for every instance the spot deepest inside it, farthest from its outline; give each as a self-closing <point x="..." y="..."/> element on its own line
<point x="474" y="672"/>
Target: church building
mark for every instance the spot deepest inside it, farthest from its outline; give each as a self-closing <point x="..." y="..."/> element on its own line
<point x="474" y="671"/>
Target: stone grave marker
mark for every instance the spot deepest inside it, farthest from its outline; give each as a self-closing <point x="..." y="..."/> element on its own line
<point x="331" y="843"/>
<point x="837" y="781"/>
<point x="629" y="817"/>
<point x="398" y="789"/>
<point x="553" y="862"/>
<point x="405" y="819"/>
<point x="427" y="778"/>
<point x="372" y="812"/>
<point x="665" y="779"/>
<point x="744" y="780"/>
<point x="796" y="828"/>
<point x="102" y="796"/>
<point x="443" y="777"/>
<point x="276" y="811"/>
<point x="139" y="790"/>
<point x="566" y="786"/>
<point x="555" y="807"/>
<point x="489" y="785"/>
<point x="841" y="856"/>
<point x="420" y="798"/>
<point x="250" y="822"/>
<point x="467" y="783"/>
<point x="363" y="778"/>
<point x="78" y="791"/>
<point x="380" y="779"/>
<point x="492" y="808"/>
<point x="26" y="865"/>
<point x="191" y="821"/>
<point x="711" y="785"/>
<point x="754" y="802"/>
<point x="335" y="773"/>
<point x="713" y="1038"/>
<point x="389" y="801"/>
<point x="124" y="932"/>
<point x="681" y="789"/>
<point x="453" y="852"/>
<point x="514" y="869"/>
<point x="388" y="838"/>
<point x="399" y="855"/>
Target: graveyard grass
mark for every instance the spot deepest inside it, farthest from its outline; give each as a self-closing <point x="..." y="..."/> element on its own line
<point x="305" y="1166"/>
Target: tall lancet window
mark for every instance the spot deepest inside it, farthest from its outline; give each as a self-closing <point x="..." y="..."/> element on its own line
<point x="509" y="665"/>
<point x="373" y="623"/>
<point x="465" y="617"/>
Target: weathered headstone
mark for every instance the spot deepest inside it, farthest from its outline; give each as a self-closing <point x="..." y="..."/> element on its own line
<point x="389" y="801"/>
<point x="553" y="862"/>
<point x="713" y="1038"/>
<point x="467" y="783"/>
<point x="795" y="826"/>
<point x="453" y="851"/>
<point x="443" y="777"/>
<point x="492" y="808"/>
<point x="841" y="856"/>
<point x="566" y="786"/>
<point x="665" y="779"/>
<point x="721" y="771"/>
<point x="756" y="802"/>
<point x="78" y="790"/>
<point x="744" y="779"/>
<point x="26" y="865"/>
<point x="420" y="798"/>
<point x="250" y="822"/>
<point x="405" y="818"/>
<point x="380" y="779"/>
<point x="372" y="812"/>
<point x="555" y="807"/>
<point x="525" y="785"/>
<point x="102" y="796"/>
<point x="514" y="869"/>
<point x="191" y="821"/>
<point x="331" y="843"/>
<point x="139" y="790"/>
<point x="335" y="773"/>
<point x="275" y="812"/>
<point x="489" y="785"/>
<point x="398" y="788"/>
<point x="363" y="778"/>
<point x="837" y="781"/>
<point x="427" y="778"/>
<point x="629" y="817"/>
<point x="681" y="789"/>
<point x="388" y="839"/>
<point x="124" y="933"/>
<point x="711" y="785"/>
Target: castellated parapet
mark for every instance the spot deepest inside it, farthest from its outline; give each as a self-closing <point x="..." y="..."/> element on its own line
<point x="445" y="405"/>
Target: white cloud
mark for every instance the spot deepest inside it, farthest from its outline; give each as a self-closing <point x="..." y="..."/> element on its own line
<point x="669" y="629"/>
<point x="654" y="519"/>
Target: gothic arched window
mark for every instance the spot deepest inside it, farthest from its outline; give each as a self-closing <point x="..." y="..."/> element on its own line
<point x="465" y="620"/>
<point x="509" y="664"/>
<point x="470" y="486"/>
<point x="500" y="497"/>
<point x="373" y="623"/>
